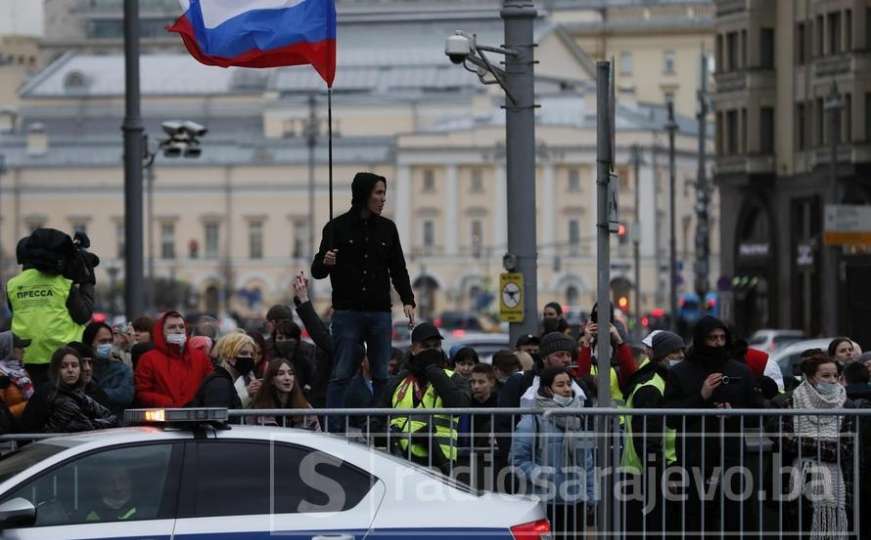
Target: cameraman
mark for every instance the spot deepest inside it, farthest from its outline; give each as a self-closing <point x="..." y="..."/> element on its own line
<point x="53" y="297"/>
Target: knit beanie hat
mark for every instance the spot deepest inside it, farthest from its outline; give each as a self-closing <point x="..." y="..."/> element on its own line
<point x="665" y="343"/>
<point x="556" y="342"/>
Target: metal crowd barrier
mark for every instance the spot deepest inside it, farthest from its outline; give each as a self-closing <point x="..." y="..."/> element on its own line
<point x="773" y="473"/>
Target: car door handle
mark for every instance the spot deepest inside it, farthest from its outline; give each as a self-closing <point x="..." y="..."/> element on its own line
<point x="333" y="537"/>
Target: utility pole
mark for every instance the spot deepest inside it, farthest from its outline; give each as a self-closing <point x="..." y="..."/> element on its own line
<point x="311" y="137"/>
<point x="2" y="258"/>
<point x="133" y="155"/>
<point x="636" y="236"/>
<point x="831" y="301"/>
<point x="671" y="127"/>
<point x="150" y="225"/>
<point x="519" y="17"/>
<point x="703" y="245"/>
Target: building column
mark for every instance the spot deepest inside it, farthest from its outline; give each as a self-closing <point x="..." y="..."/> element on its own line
<point x="500" y="212"/>
<point x="648" y="208"/>
<point x="451" y="204"/>
<point x="403" y="206"/>
<point x="548" y="205"/>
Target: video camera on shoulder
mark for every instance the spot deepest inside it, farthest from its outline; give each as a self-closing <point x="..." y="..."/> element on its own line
<point x="54" y="252"/>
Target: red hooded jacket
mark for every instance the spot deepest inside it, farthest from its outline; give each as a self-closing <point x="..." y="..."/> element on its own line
<point x="166" y="376"/>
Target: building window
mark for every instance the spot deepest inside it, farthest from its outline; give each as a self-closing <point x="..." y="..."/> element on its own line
<point x="848" y="118"/>
<point x="477" y="237"/>
<point x="428" y="235"/>
<point x="800" y="39"/>
<point x="731" y="51"/>
<point x="255" y="239"/>
<point x="719" y="134"/>
<point x="868" y="115"/>
<point x="719" y="52"/>
<point x="428" y="181"/>
<point x="821" y="123"/>
<point x="574" y="237"/>
<point x="687" y="232"/>
<point x="834" y="32"/>
<point x="625" y="63"/>
<point x="477" y="183"/>
<point x="848" y="30"/>
<point x="119" y="238"/>
<point x="743" y="138"/>
<point x="731" y="133"/>
<point x="300" y="239"/>
<point x="212" y="238"/>
<point x="574" y="181"/>
<point x="766" y="130"/>
<point x="820" y="35"/>
<point x="801" y="132"/>
<point x="743" y="49"/>
<point x="167" y="241"/>
<point x="766" y="48"/>
<point x="668" y="66"/>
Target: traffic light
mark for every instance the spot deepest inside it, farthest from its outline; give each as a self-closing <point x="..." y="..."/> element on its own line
<point x="621" y="233"/>
<point x="623" y="303"/>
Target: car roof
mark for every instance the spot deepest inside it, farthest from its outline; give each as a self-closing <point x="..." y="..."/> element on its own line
<point x="800" y="346"/>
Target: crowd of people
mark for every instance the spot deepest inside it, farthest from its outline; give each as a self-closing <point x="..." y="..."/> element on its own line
<point x="61" y="373"/>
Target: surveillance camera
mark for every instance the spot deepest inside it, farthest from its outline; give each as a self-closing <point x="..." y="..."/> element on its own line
<point x="174" y="150"/>
<point x="193" y="151"/>
<point x="195" y="130"/>
<point x="458" y="47"/>
<point x="171" y="128"/>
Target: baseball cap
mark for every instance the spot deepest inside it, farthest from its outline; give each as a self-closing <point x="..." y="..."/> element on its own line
<point x="425" y="331"/>
<point x="528" y="339"/>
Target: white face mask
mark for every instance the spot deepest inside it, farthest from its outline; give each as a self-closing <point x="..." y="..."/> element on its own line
<point x="672" y="363"/>
<point x="176" y="339"/>
<point x="563" y="401"/>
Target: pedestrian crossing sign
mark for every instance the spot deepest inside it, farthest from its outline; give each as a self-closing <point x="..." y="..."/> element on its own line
<point x="511" y="297"/>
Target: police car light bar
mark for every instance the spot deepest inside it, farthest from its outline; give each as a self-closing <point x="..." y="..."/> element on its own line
<point x="176" y="416"/>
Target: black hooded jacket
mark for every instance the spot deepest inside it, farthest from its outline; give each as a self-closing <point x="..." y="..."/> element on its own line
<point x="369" y="255"/>
<point x="683" y="390"/>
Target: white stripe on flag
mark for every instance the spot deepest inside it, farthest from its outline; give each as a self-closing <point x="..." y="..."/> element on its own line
<point x="216" y="12"/>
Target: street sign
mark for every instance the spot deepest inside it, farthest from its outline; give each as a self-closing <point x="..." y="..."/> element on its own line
<point x="511" y="297"/>
<point x="847" y="225"/>
<point x="804" y="256"/>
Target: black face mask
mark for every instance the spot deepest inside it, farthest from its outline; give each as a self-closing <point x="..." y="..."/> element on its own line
<point x="244" y="365"/>
<point x="286" y="349"/>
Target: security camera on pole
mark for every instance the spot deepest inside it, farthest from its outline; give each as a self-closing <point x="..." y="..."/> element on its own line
<point x="519" y="292"/>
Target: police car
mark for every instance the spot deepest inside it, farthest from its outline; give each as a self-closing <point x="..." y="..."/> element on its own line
<point x="187" y="475"/>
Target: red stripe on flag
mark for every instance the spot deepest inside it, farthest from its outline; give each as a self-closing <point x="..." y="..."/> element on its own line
<point x="321" y="55"/>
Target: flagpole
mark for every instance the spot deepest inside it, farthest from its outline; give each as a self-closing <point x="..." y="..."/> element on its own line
<point x="330" y="156"/>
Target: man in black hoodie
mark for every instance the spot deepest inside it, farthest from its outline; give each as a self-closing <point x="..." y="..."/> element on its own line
<point x="710" y="378"/>
<point x="361" y="253"/>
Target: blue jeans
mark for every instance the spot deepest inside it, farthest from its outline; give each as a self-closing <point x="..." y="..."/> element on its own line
<point x="350" y="329"/>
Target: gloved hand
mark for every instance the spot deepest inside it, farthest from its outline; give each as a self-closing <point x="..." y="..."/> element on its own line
<point x="420" y="362"/>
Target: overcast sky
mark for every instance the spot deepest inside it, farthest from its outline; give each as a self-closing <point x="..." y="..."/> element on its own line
<point x="21" y="17"/>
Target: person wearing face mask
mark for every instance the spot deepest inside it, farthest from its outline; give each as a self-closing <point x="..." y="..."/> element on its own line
<point x="287" y="343"/>
<point x="552" y="455"/>
<point x="236" y="359"/>
<point x="61" y="405"/>
<point x="841" y="349"/>
<point x="646" y="453"/>
<point x="426" y="383"/>
<point x="710" y="378"/>
<point x="171" y="373"/>
<point x="110" y="374"/>
<point x="815" y="446"/>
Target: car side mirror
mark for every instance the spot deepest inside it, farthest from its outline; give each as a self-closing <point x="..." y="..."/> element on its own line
<point x="17" y="512"/>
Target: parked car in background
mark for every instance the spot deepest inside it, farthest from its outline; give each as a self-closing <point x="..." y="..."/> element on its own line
<point x="770" y="340"/>
<point x="789" y="358"/>
<point x="459" y="320"/>
<point x="401" y="338"/>
<point x="485" y="344"/>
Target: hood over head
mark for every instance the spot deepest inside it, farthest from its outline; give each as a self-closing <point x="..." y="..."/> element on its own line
<point x="362" y="187"/>
<point x="159" y="339"/>
<point x="712" y="357"/>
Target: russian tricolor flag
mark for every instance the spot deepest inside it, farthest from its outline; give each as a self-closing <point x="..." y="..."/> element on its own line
<point x="261" y="33"/>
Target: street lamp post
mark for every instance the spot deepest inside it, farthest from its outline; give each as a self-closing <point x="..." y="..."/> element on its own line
<point x="636" y="236"/>
<point x="703" y="243"/>
<point x="833" y="104"/>
<point x="517" y="81"/>
<point x="671" y="127"/>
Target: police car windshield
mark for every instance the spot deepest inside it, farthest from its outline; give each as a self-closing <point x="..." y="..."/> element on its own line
<point x="30" y="455"/>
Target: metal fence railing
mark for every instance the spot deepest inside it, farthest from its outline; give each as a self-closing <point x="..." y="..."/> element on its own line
<point x="636" y="473"/>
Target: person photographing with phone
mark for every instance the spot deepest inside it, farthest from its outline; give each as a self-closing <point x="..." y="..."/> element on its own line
<point x="622" y="361"/>
<point x="710" y="377"/>
<point x="361" y="253"/>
